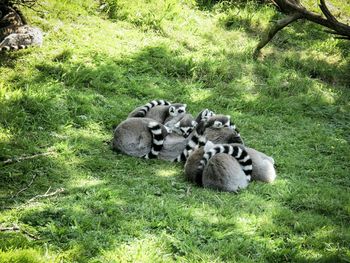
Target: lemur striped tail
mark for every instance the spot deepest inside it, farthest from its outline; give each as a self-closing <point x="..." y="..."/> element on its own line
<point x="239" y="153"/>
<point x="157" y="140"/>
<point x="8" y="48"/>
<point x="143" y="111"/>
<point x="195" y="142"/>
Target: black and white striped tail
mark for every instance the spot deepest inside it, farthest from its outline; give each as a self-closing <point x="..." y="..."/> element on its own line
<point x="8" y="48"/>
<point x="195" y="142"/>
<point x="157" y="140"/>
<point x="237" y="152"/>
<point x="143" y="111"/>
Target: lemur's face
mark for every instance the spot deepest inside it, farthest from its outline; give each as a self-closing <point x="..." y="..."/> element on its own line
<point x="219" y="121"/>
<point x="177" y="109"/>
<point x="206" y="114"/>
<point x="186" y="130"/>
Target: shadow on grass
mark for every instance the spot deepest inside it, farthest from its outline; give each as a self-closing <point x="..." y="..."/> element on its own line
<point x="112" y="210"/>
<point x="112" y="200"/>
<point x="8" y="59"/>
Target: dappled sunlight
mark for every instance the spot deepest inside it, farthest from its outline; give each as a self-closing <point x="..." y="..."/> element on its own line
<point x="87" y="182"/>
<point x="205" y="214"/>
<point x="5" y="136"/>
<point x="99" y="62"/>
<point x="198" y="95"/>
<point x="326" y="95"/>
<point x="167" y="173"/>
<point x="144" y="249"/>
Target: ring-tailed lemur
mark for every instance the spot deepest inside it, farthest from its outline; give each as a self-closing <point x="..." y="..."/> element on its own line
<point x="204" y="115"/>
<point x="14" y="31"/>
<point x="182" y="126"/>
<point x="223" y="171"/>
<point x="217" y="128"/>
<point x="236" y="151"/>
<point x="157" y="139"/>
<point x="139" y="137"/>
<point x="142" y="111"/>
<point x="144" y="137"/>
<point x="178" y="144"/>
<point x="159" y="110"/>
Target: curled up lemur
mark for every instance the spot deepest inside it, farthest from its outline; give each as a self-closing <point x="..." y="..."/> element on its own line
<point x="227" y="167"/>
<point x="15" y="33"/>
<point x="143" y="133"/>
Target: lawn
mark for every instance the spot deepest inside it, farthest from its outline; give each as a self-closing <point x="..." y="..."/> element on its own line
<point x="102" y="59"/>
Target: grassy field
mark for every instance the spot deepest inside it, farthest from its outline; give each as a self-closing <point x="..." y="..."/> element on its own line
<point x="99" y="63"/>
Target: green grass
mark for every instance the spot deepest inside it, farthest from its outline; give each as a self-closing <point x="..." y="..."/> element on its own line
<point x="97" y="65"/>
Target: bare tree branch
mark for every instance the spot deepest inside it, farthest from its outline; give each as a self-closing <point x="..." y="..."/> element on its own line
<point x="272" y="31"/>
<point x="295" y="11"/>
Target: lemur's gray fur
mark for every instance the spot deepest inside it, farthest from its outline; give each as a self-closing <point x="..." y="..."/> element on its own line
<point x="14" y="31"/>
<point x="223" y="172"/>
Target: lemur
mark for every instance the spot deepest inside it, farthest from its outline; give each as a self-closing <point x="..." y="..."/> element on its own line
<point x="14" y="31"/>
<point x="139" y="137"/>
<point x="226" y="167"/>
<point x="217" y="128"/>
<point x="142" y="136"/>
<point x="159" y="110"/>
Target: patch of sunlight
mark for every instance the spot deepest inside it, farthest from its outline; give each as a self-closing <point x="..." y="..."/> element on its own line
<point x="148" y="249"/>
<point x="205" y="214"/>
<point x="251" y="97"/>
<point x="324" y="233"/>
<point x="333" y="59"/>
<point x="166" y="173"/>
<point x="5" y="135"/>
<point x="197" y="95"/>
<point x="27" y="255"/>
<point x="87" y="182"/>
<point x="326" y="94"/>
<point x="246" y="224"/>
<point x="92" y="132"/>
<point x="309" y="255"/>
<point x="247" y="80"/>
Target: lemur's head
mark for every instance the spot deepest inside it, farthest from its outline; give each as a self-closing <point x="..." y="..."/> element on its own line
<point x="186" y="127"/>
<point x="177" y="109"/>
<point x="219" y="121"/>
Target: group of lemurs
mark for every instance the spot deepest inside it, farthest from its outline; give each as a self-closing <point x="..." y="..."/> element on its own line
<point x="209" y="144"/>
<point x="15" y="33"/>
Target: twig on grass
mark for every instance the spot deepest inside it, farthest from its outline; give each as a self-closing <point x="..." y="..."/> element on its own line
<point x="23" y="158"/>
<point x="47" y="194"/>
<point x="16" y="228"/>
<point x="25" y="188"/>
<point x="12" y="228"/>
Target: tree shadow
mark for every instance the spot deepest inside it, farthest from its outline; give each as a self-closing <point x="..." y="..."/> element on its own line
<point x="111" y="199"/>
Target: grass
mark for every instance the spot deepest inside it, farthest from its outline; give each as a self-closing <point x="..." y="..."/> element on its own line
<point x="97" y="64"/>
